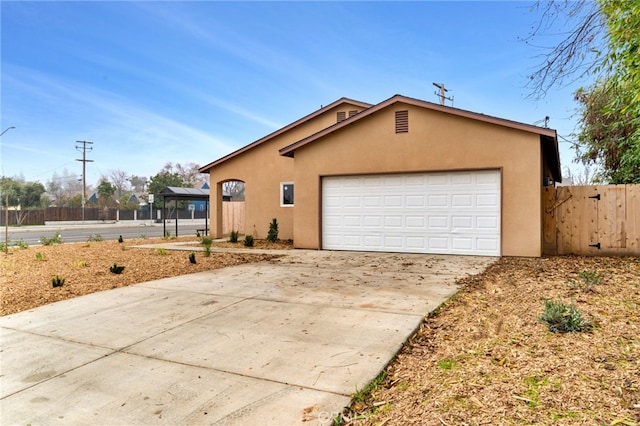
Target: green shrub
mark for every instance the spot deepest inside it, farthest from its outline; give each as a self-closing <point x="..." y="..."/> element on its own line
<point x="21" y="244"/>
<point x="116" y="269"/>
<point x="588" y="280"/>
<point x="233" y="237"/>
<point x="563" y="318"/>
<point x="40" y="256"/>
<point x="207" y="251"/>
<point x="272" y="235"/>
<point x="96" y="238"/>
<point x="161" y="251"/>
<point x="192" y="258"/>
<point x="57" y="281"/>
<point x="248" y="241"/>
<point x="56" y="239"/>
<point x="206" y="241"/>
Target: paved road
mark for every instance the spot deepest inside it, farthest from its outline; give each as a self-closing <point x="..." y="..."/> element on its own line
<point x="79" y="232"/>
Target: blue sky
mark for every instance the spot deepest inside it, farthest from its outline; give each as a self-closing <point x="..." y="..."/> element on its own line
<point x="157" y="82"/>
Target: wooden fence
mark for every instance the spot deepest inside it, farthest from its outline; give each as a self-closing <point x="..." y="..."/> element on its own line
<point x="594" y="220"/>
<point x="232" y="217"/>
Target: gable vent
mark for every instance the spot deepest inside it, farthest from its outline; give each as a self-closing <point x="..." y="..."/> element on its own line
<point x="352" y="113"/>
<point x="342" y="115"/>
<point x="402" y="121"/>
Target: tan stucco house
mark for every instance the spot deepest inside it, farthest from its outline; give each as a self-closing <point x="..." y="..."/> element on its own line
<point x="404" y="175"/>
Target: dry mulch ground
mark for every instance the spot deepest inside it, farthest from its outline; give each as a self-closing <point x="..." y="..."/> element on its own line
<point x="485" y="357"/>
<point x="27" y="273"/>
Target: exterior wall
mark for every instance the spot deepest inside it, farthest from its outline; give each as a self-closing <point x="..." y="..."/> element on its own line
<point x="262" y="169"/>
<point x="435" y="142"/>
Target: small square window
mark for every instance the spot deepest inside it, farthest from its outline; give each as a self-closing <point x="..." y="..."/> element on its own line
<point x="286" y="194"/>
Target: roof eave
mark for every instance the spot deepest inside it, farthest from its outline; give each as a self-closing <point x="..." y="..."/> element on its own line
<point x="322" y="110"/>
<point x="289" y="150"/>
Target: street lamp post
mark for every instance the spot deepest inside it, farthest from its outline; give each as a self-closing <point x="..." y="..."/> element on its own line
<point x="6" y="207"/>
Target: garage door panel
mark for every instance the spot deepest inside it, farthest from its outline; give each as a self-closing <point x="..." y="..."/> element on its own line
<point x="449" y="212"/>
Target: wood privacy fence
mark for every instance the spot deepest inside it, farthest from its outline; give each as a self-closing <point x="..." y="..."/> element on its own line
<point x="593" y="220"/>
<point x="232" y="217"/>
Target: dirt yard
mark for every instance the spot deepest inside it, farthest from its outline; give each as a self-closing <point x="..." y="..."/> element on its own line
<point x="485" y="358"/>
<point x="27" y="273"/>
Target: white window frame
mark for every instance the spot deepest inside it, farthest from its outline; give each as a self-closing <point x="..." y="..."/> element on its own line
<point x="282" y="185"/>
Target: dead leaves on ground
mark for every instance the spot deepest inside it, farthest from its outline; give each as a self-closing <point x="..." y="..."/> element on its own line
<point x="485" y="358"/>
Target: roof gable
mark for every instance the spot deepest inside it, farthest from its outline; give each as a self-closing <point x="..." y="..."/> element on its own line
<point x="305" y="119"/>
<point x="290" y="150"/>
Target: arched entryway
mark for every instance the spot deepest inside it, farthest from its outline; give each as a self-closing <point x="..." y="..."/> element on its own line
<point x="233" y="206"/>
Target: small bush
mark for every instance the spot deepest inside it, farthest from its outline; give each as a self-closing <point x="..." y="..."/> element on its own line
<point x="206" y="241"/>
<point x="21" y="244"/>
<point x="95" y="238"/>
<point x="40" y="257"/>
<point x="207" y="251"/>
<point x="167" y="234"/>
<point x="233" y="237"/>
<point x="272" y="235"/>
<point x="161" y="251"/>
<point x="248" y="241"/>
<point x="56" y="239"/>
<point x="81" y="263"/>
<point x="588" y="280"/>
<point x="192" y="258"/>
<point x="116" y="269"/>
<point x="562" y="318"/>
<point x="57" y="281"/>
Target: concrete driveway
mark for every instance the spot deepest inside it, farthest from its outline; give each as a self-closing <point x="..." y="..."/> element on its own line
<point x="273" y="343"/>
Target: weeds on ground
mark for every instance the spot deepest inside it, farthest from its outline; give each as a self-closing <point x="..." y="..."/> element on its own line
<point x="248" y="241"/>
<point x="233" y="237"/>
<point x="94" y="238"/>
<point x="56" y="239"/>
<point x="161" y="251"/>
<point x="587" y="281"/>
<point x="40" y="257"/>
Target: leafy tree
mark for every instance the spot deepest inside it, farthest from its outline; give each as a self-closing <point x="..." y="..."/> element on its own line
<point x="607" y="139"/>
<point x="26" y="195"/>
<point x="605" y="42"/>
<point x="105" y="192"/>
<point x="161" y="181"/>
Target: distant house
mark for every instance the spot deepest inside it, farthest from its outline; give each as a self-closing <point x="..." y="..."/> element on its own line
<point x="404" y="175"/>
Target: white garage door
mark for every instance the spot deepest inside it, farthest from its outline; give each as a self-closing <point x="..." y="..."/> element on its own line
<point x="443" y="213"/>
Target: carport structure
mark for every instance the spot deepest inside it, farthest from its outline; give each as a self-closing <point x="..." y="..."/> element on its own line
<point x="184" y="194"/>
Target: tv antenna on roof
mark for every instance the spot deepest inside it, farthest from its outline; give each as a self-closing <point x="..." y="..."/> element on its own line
<point x="441" y="93"/>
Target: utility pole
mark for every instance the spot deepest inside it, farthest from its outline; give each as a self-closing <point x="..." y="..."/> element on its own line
<point x="84" y="160"/>
<point x="441" y="93"/>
